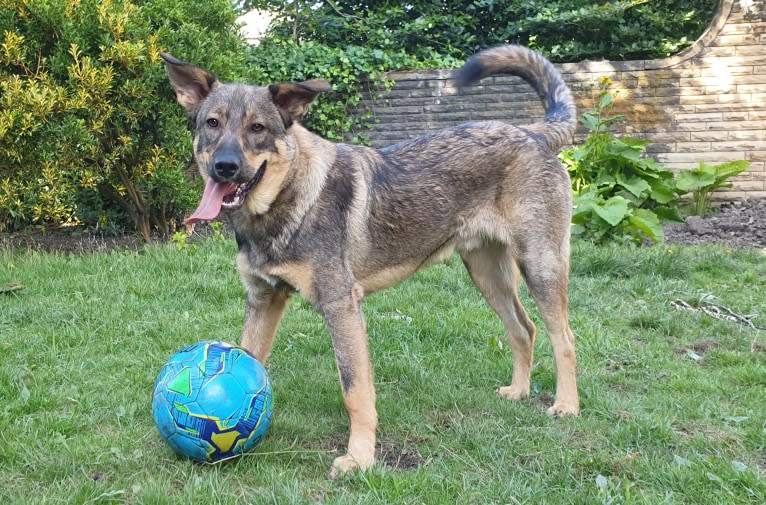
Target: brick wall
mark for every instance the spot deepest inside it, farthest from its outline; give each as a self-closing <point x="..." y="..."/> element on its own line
<point x="706" y="103"/>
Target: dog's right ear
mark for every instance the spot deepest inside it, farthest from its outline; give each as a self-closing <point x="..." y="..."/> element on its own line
<point x="192" y="84"/>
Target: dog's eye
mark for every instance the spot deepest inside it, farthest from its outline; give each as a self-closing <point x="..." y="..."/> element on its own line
<point x="212" y="122"/>
<point x="256" y="127"/>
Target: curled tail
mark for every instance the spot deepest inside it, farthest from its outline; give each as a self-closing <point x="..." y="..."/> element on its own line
<point x="560" y="112"/>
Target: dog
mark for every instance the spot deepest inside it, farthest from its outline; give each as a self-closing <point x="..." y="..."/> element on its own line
<point x="334" y="222"/>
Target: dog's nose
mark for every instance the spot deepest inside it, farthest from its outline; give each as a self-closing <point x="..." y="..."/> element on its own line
<point x="225" y="163"/>
<point x="226" y="168"/>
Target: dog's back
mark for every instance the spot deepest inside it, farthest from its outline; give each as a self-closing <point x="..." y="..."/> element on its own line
<point x="456" y="187"/>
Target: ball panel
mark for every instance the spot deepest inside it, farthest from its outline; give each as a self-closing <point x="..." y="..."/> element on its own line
<point x="190" y="446"/>
<point x="162" y="417"/>
<point x="214" y="357"/>
<point x="181" y="382"/>
<point x="221" y="397"/>
<point x="249" y="371"/>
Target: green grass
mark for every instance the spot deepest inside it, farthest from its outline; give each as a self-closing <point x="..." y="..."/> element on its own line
<point x="673" y="401"/>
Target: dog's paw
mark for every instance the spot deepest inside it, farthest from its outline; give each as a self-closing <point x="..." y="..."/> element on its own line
<point x="513" y="392"/>
<point x="561" y="409"/>
<point x="347" y="463"/>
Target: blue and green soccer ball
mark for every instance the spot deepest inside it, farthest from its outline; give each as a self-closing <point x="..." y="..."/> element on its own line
<point x="212" y="401"/>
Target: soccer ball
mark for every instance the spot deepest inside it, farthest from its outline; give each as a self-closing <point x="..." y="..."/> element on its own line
<point x="212" y="401"/>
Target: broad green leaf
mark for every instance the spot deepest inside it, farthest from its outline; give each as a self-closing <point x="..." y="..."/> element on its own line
<point x="624" y="150"/>
<point x="613" y="210"/>
<point x="606" y="100"/>
<point x="583" y="207"/>
<point x="636" y="185"/>
<point x="589" y="121"/>
<point x="588" y="197"/>
<point x="606" y="179"/>
<point x="650" y="168"/>
<point x="635" y="141"/>
<point x="730" y="168"/>
<point x="580" y="153"/>
<point x="580" y="215"/>
<point x="662" y="192"/>
<point x="649" y="224"/>
<point x="668" y="214"/>
<point x="577" y="230"/>
<point x="704" y="168"/>
<point x="613" y="119"/>
<point x="633" y="201"/>
<point x="694" y="179"/>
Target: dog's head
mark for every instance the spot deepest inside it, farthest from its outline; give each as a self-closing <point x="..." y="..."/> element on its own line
<point x="242" y="140"/>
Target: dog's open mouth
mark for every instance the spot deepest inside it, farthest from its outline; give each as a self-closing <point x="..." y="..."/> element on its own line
<point x="219" y="196"/>
<point x="235" y="200"/>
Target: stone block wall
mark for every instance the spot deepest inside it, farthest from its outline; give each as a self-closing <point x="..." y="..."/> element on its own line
<point x="706" y="103"/>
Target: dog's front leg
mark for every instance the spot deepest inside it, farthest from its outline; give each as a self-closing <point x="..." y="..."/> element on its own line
<point x="349" y="338"/>
<point x="263" y="311"/>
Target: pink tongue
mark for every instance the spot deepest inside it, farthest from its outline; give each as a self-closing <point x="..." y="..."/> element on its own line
<point x="212" y="198"/>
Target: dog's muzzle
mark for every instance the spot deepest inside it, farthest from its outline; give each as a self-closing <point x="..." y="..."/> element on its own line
<point x="224" y="195"/>
<point x="235" y="199"/>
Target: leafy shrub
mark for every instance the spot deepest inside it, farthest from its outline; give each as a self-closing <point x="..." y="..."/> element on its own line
<point x="351" y="70"/>
<point x="704" y="179"/>
<point x="564" y="30"/>
<point x="334" y="116"/>
<point x="619" y="194"/>
<point x="89" y="130"/>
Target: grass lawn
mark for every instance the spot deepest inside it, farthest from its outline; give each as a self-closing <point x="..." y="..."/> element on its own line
<point x="673" y="400"/>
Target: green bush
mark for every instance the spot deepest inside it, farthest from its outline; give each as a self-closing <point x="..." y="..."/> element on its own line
<point x="351" y="70"/>
<point x="89" y="129"/>
<point x="564" y="30"/>
<point x="619" y="194"/>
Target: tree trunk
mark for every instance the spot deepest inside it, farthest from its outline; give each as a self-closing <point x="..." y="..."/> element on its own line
<point x="139" y="219"/>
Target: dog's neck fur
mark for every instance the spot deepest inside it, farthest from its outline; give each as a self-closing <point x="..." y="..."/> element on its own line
<point x="301" y="188"/>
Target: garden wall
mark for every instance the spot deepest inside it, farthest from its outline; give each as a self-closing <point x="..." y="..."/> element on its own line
<point x="706" y="103"/>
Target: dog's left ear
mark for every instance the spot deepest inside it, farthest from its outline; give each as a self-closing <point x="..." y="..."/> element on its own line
<point x="192" y="84"/>
<point x="293" y="98"/>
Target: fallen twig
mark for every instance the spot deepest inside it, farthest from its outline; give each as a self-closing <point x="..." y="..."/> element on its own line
<point x="707" y="306"/>
<point x="11" y="287"/>
<point x="271" y="453"/>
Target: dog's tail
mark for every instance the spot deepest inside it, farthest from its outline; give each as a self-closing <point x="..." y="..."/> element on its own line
<point x="560" y="112"/>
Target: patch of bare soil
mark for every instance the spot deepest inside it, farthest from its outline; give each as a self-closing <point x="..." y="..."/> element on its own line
<point x="67" y="241"/>
<point x="733" y="224"/>
<point x="79" y="241"/>
<point x="401" y="456"/>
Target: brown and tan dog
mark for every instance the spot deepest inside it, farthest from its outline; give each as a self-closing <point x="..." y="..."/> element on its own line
<point x="334" y="221"/>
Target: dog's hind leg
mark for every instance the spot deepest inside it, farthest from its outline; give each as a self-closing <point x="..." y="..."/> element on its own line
<point x="495" y="274"/>
<point x="545" y="269"/>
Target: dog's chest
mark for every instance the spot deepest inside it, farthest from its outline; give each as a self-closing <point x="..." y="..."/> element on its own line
<point x="257" y="273"/>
